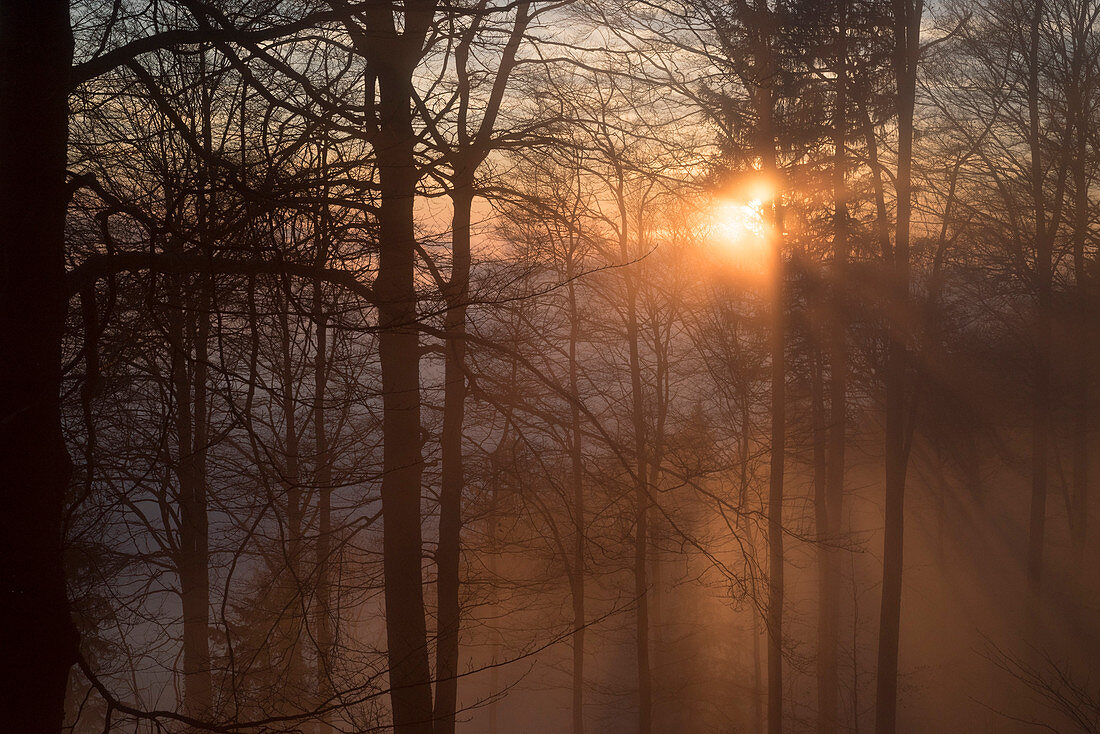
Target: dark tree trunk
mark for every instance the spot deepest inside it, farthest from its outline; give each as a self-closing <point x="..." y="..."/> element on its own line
<point x="641" y="516"/>
<point x="453" y="479"/>
<point x="826" y="649"/>
<point x="576" y="455"/>
<point x="775" y="507"/>
<point x="187" y="331"/>
<point x="765" y="67"/>
<point x="744" y="448"/>
<point x="291" y="621"/>
<point x="399" y="352"/>
<point x="39" y="640"/>
<point x="1078" y="512"/>
<point x="833" y="495"/>
<point x="1041" y="418"/>
<point x="323" y="482"/>
<point x="465" y="158"/>
<point x="907" y="14"/>
<point x="655" y="454"/>
<point x="392" y="57"/>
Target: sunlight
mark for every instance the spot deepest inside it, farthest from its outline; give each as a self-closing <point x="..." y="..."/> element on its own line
<point x="740" y="230"/>
<point x="739" y="225"/>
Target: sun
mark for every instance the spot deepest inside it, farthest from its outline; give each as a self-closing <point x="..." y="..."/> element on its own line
<point x="740" y="230"/>
<point x="735" y="222"/>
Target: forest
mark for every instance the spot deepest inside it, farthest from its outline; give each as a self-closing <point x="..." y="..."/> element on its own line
<point x="523" y="366"/>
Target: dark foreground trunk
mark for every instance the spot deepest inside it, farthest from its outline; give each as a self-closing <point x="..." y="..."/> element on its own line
<point x="39" y="642"/>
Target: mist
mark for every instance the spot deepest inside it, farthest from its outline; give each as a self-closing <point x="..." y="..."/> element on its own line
<point x="549" y="366"/>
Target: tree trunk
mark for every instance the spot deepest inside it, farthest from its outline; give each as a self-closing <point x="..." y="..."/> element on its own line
<point x="826" y="642"/>
<point x="764" y="102"/>
<point x="758" y="689"/>
<point x="39" y="641"/>
<point x="641" y="516"/>
<point x="190" y="336"/>
<point x="189" y="394"/>
<point x="450" y="496"/>
<point x="466" y="157"/>
<point x="292" y="579"/>
<point x="1040" y="447"/>
<point x="775" y="508"/>
<point x="744" y="446"/>
<point x="576" y="456"/>
<point x="1081" y="85"/>
<point x="906" y="38"/>
<point x="833" y="495"/>
<point x="655" y="453"/>
<point x="323" y="482"/>
<point x="399" y="353"/>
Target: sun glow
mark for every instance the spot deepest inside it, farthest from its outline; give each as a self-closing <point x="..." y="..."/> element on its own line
<point x="737" y="223"/>
<point x="740" y="230"/>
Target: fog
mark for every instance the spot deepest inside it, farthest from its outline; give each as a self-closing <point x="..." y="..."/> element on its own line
<point x="549" y="366"/>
